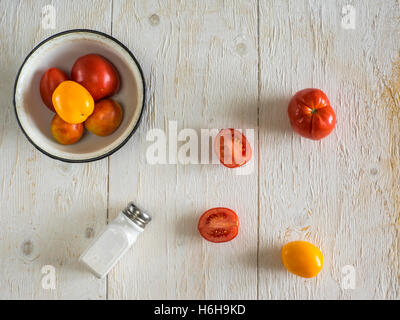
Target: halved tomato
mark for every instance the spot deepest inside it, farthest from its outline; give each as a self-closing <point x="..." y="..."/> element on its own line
<point x="219" y="225"/>
<point x="232" y="148"/>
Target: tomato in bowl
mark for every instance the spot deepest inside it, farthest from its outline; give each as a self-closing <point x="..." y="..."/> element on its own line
<point x="61" y="51"/>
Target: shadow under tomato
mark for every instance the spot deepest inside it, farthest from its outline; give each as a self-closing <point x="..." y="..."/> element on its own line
<point x="273" y="114"/>
<point x="270" y="259"/>
<point x="186" y="227"/>
<point x="271" y="111"/>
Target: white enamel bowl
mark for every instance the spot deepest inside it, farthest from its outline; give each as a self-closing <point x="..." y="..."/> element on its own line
<point x="61" y="51"/>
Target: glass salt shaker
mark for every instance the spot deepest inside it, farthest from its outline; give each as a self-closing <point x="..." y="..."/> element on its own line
<point x="111" y="244"/>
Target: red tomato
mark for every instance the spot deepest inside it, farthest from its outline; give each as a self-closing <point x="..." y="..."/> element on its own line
<point x="97" y="75"/>
<point x="64" y="132"/>
<point x="48" y="83"/>
<point x="311" y="114"/>
<point x="232" y="148"/>
<point x="219" y="225"/>
<point x="105" y="119"/>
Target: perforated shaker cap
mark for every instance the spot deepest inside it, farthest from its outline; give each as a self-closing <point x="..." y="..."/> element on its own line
<point x="137" y="215"/>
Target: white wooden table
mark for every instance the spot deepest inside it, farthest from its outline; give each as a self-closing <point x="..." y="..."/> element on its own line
<point x="213" y="64"/>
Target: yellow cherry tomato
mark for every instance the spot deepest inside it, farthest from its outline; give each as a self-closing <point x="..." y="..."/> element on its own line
<point x="73" y="103"/>
<point x="302" y="258"/>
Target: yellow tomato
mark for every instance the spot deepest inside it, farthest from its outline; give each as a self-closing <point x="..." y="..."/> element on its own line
<point x="302" y="258"/>
<point x="73" y="103"/>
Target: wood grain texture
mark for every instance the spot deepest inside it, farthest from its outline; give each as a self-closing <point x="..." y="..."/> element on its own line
<point x="197" y="78"/>
<point x="213" y="64"/>
<point x="340" y="193"/>
<point x="46" y="206"/>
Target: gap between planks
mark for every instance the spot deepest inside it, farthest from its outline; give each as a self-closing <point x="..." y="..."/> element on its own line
<point x="258" y="149"/>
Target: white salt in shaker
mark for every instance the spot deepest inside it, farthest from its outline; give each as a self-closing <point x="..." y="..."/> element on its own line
<point x="110" y="245"/>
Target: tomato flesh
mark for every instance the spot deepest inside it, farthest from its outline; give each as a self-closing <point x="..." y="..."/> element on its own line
<point x="219" y="225"/>
<point x="311" y="114"/>
<point x="232" y="148"/>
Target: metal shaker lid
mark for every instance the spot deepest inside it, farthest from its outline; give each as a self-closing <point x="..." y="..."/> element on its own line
<point x="137" y="215"/>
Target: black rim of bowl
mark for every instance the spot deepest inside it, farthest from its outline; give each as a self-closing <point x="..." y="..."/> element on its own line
<point x="137" y="122"/>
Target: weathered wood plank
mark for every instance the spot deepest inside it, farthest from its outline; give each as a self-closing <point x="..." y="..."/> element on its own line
<point x="340" y="193"/>
<point x="200" y="63"/>
<point x="201" y="66"/>
<point x="48" y="208"/>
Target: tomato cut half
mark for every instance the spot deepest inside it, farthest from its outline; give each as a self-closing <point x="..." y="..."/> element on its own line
<point x="219" y="225"/>
<point x="232" y="148"/>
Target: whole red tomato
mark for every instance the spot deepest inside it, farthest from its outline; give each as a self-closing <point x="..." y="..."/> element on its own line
<point x="48" y="83"/>
<point x="97" y="75"/>
<point x="311" y="114"/>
